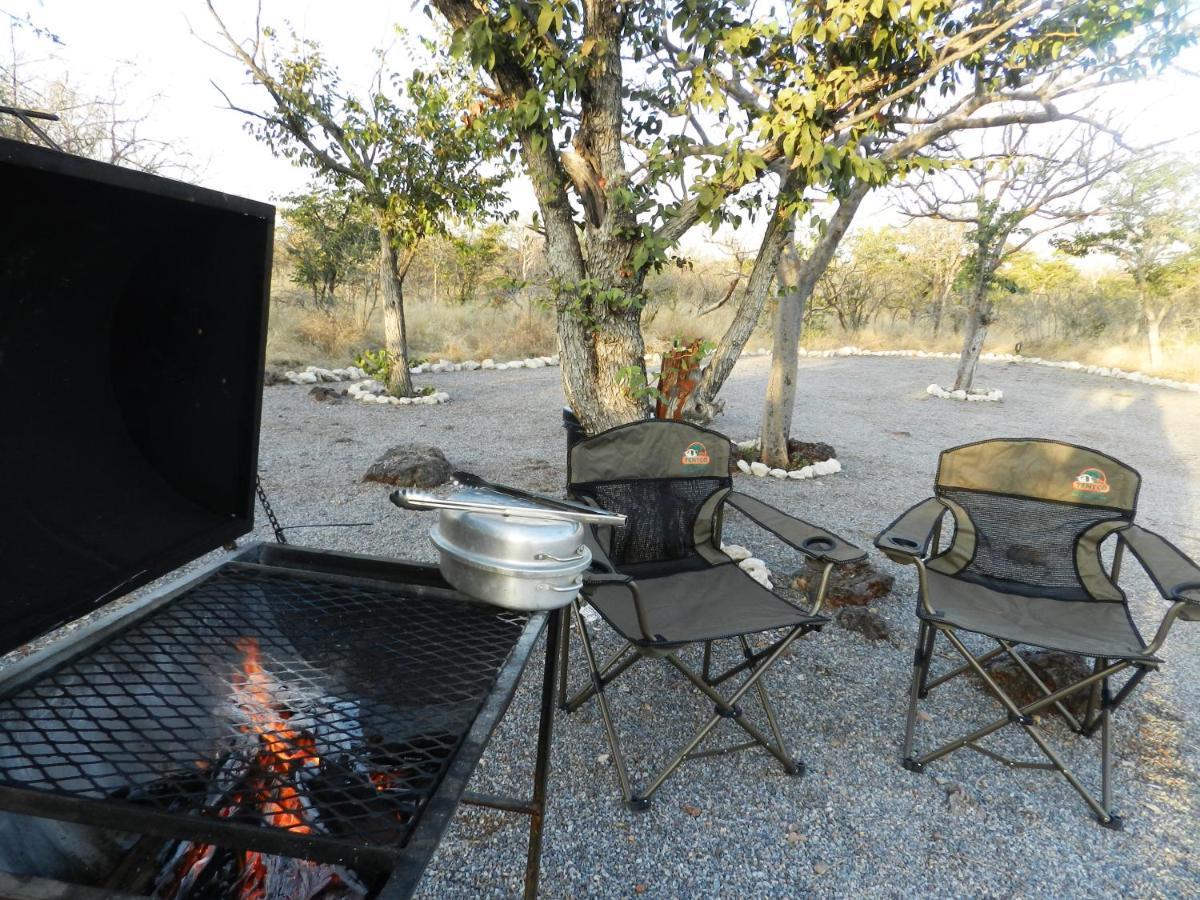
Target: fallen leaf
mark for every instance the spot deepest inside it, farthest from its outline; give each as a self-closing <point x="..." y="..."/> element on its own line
<point x="692" y="811"/>
<point x="602" y="758"/>
<point x="820" y="868"/>
<point x="639" y="889"/>
<point x="923" y="716"/>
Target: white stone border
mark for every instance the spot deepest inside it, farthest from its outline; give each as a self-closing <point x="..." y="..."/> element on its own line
<point x="470" y="365"/>
<point x="976" y="395"/>
<point x="371" y="391"/>
<point x="1070" y="365"/>
<point x="762" y="470"/>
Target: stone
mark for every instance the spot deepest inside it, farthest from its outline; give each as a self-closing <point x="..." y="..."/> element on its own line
<point x="488" y="364"/>
<point x="865" y="621"/>
<point x="1055" y="668"/>
<point x="322" y="394"/>
<point x="750" y="563"/>
<point x="274" y="376"/>
<point x="743" y="466"/>
<point x="736" y="552"/>
<point x="778" y="473"/>
<point x="410" y="465"/>
<point x="534" y="364"/>
<point x="442" y="397"/>
<point x="470" y="365"/>
<point x="500" y="366"/>
<point x="854" y="584"/>
<point x="304" y="378"/>
<point x="806" y="472"/>
<point x="759" y="469"/>
<point x="516" y="364"/>
<point x="796" y="474"/>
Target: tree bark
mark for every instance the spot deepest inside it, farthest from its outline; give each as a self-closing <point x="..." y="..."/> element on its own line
<point x="979" y="317"/>
<point x="395" y="333"/>
<point x="1154" y="319"/>
<point x="797" y="280"/>
<point x="701" y="406"/>
<point x="781" y="386"/>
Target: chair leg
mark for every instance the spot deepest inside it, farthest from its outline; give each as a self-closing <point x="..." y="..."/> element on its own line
<point x="726" y="708"/>
<point x="605" y="716"/>
<point x="608" y="674"/>
<point x="1022" y="716"/>
<point x="765" y="701"/>
<point x="917" y="690"/>
<point x="705" y="671"/>
<point x="1109" y="819"/>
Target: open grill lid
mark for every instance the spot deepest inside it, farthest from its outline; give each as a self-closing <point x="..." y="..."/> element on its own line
<point x="132" y="329"/>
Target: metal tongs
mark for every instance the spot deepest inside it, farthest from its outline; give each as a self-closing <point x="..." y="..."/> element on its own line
<point x="534" y="506"/>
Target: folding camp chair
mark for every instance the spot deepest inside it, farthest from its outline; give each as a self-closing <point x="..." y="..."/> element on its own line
<point x="662" y="582"/>
<point x="1024" y="567"/>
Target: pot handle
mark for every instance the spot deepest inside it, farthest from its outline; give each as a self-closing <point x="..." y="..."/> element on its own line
<point x="579" y="557"/>
<point x="565" y="589"/>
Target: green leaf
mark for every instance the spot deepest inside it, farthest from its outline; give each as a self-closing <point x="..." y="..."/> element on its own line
<point x="545" y="19"/>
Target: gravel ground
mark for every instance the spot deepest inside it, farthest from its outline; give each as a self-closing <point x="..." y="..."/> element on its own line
<point x="856" y="824"/>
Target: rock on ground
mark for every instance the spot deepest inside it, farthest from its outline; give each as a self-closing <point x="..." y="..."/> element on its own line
<point x="410" y="465"/>
<point x="856" y="584"/>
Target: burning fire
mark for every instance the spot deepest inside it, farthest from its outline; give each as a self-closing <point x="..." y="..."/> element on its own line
<point x="268" y="787"/>
<point x="283" y="750"/>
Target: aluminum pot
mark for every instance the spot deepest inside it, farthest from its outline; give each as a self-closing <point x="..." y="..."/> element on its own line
<point x="511" y="551"/>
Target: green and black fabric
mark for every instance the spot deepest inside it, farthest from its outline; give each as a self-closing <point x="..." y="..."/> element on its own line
<point x="1024" y="566"/>
<point x="661" y="581"/>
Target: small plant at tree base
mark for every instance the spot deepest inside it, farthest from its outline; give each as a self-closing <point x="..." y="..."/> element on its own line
<point x="376" y="363"/>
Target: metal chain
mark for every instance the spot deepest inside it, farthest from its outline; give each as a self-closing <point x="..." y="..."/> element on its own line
<point x="266" y="505"/>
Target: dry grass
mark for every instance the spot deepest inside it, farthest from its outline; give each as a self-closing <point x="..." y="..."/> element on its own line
<point x="437" y="331"/>
<point x="1181" y="359"/>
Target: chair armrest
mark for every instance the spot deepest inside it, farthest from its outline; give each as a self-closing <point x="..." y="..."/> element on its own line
<point x="814" y="542"/>
<point x="909" y="536"/>
<point x="1176" y="576"/>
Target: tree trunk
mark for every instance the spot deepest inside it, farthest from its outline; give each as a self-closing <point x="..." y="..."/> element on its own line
<point x="979" y="317"/>
<point x="781" y="386"/>
<point x="391" y="280"/>
<point x="1153" y="318"/>
<point x="797" y="280"/>
<point x="939" y="307"/>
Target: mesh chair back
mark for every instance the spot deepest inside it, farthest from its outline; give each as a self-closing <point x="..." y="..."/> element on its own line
<point x="667" y="478"/>
<point x="1030" y="516"/>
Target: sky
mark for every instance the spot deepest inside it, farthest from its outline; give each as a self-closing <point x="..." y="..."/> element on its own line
<point x="158" y="53"/>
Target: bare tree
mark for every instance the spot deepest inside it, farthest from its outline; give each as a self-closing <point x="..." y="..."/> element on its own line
<point x="1006" y="199"/>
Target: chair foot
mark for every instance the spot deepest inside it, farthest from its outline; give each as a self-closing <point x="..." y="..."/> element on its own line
<point x="912" y="765"/>
<point x="1113" y="822"/>
<point x="565" y="707"/>
<point x="796" y="768"/>
<point x="637" y="804"/>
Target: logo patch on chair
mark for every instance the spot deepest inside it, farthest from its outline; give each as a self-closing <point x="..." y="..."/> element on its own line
<point x="695" y="455"/>
<point x="1091" y="481"/>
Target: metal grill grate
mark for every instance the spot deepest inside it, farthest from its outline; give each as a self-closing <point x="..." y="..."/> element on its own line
<point x="288" y="702"/>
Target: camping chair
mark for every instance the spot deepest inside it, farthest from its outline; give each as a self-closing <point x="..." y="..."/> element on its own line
<point x="662" y="582"/>
<point x="1024" y="567"/>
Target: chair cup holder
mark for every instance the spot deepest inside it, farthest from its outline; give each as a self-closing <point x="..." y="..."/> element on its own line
<point x="818" y="544"/>
<point x="906" y="543"/>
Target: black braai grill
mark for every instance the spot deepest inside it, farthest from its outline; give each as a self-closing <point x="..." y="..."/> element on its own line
<point x="313" y="705"/>
<point x="262" y="707"/>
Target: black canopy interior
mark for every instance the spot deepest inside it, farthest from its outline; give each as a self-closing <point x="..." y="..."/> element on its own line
<point x="132" y="328"/>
